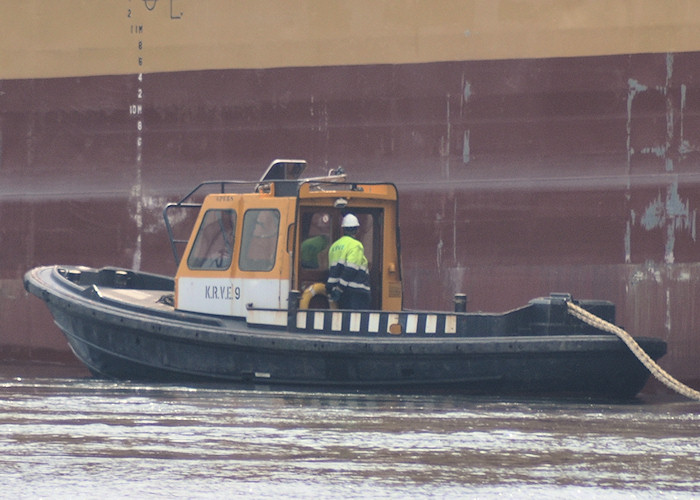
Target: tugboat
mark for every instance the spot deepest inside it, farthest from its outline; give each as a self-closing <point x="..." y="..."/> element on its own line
<point x="249" y="306"/>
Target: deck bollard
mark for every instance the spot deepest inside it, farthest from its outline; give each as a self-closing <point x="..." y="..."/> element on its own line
<point x="292" y="309"/>
<point x="460" y="302"/>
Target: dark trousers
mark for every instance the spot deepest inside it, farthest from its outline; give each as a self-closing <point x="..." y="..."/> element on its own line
<point x="354" y="299"/>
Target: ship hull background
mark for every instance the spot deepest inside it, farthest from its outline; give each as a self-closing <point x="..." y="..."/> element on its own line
<point x="518" y="177"/>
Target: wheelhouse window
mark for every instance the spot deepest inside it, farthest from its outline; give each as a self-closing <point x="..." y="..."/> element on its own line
<point x="213" y="246"/>
<point x="259" y="242"/>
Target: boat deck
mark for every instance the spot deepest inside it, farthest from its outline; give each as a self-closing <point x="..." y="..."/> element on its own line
<point x="151" y="299"/>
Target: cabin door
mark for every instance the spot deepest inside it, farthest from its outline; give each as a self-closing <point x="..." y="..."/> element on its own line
<point x="320" y="227"/>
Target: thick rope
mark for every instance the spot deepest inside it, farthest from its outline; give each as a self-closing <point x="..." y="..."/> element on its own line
<point x="658" y="372"/>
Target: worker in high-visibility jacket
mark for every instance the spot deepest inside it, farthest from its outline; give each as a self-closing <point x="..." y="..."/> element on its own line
<point x="348" y="278"/>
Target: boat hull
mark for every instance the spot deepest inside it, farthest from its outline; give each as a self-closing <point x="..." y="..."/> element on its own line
<point x="128" y="343"/>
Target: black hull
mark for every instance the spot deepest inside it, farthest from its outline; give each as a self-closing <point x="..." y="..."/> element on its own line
<point x="126" y="343"/>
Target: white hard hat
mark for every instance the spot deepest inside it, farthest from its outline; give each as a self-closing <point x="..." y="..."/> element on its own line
<point x="350" y="221"/>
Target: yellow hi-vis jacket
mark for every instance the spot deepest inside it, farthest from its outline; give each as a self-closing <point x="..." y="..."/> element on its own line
<point x="348" y="266"/>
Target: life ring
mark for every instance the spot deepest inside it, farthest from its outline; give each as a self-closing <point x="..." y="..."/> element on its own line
<point x="311" y="291"/>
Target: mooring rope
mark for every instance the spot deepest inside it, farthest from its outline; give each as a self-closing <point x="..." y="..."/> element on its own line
<point x="658" y="372"/>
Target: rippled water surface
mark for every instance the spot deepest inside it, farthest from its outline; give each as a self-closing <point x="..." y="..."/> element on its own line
<point x="74" y="437"/>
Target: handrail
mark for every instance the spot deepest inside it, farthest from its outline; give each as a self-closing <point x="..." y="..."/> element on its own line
<point x="171" y="236"/>
<point x="222" y="183"/>
<point x="184" y="203"/>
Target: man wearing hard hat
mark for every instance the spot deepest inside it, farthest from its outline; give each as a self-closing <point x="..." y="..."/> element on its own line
<point x="348" y="278"/>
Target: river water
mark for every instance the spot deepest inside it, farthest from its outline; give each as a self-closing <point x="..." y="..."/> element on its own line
<point x="68" y="436"/>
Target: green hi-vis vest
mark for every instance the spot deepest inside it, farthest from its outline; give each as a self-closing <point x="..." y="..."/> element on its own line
<point x="348" y="265"/>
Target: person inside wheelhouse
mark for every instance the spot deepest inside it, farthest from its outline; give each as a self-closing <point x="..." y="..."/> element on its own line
<point x="314" y="249"/>
<point x="348" y="283"/>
